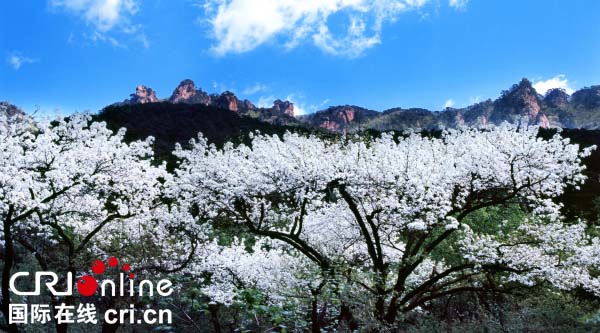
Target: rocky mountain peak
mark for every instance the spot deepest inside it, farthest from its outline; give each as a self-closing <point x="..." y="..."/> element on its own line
<point x="588" y="97"/>
<point x="248" y="105"/>
<point x="556" y="98"/>
<point x="519" y="101"/>
<point x="142" y="95"/>
<point x="227" y="100"/>
<point x="186" y="92"/>
<point x="283" y="107"/>
<point x="524" y="93"/>
<point x="339" y="118"/>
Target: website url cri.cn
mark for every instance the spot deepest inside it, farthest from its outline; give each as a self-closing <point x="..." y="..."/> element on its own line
<point x="149" y="316"/>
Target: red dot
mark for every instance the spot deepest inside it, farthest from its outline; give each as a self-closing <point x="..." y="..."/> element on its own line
<point x="98" y="267"/>
<point x="126" y="268"/>
<point x="87" y="285"/>
<point x="131" y="275"/>
<point x="113" y="262"/>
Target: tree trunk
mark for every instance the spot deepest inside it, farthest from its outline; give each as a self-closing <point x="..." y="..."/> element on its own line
<point x="346" y="315"/>
<point x="214" y="317"/>
<point x="314" y="317"/>
<point x="380" y="307"/>
<point x="392" y="312"/>
<point x="9" y="253"/>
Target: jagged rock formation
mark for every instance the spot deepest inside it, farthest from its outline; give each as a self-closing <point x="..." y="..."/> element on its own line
<point x="588" y="97"/>
<point x="283" y="107"/>
<point x="247" y="105"/>
<point x="556" y="98"/>
<point x="340" y="118"/>
<point x="519" y="104"/>
<point x="227" y="100"/>
<point x="583" y="110"/>
<point x="142" y="95"/>
<point x="186" y="92"/>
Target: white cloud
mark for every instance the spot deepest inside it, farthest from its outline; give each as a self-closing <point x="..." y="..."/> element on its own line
<point x="110" y="21"/>
<point x="317" y="107"/>
<point x="220" y="87"/>
<point x="299" y="107"/>
<point x="97" y="36"/>
<point x="458" y="4"/>
<point x="449" y="103"/>
<point x="241" y="25"/>
<point x="144" y="40"/>
<point x="16" y="60"/>
<point x="559" y="81"/>
<point x="256" y="88"/>
<point x="265" y="101"/>
<point x="353" y="44"/>
<point x="299" y="110"/>
<point x="103" y="14"/>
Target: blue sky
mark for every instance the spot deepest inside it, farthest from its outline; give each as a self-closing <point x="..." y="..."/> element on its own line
<point x="75" y="55"/>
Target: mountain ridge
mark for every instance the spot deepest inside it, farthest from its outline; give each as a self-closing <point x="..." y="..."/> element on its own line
<point x="519" y="104"/>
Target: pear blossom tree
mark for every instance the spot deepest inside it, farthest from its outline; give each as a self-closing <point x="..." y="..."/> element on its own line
<point x="194" y="249"/>
<point x="353" y="232"/>
<point x="66" y="187"/>
<point x="387" y="223"/>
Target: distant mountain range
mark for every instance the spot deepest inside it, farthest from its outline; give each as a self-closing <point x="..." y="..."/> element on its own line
<point x="519" y="104"/>
<point x="281" y="113"/>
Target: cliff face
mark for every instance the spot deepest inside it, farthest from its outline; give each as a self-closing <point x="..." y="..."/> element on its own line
<point x="248" y="105"/>
<point x="227" y="101"/>
<point x="142" y="95"/>
<point x="556" y="98"/>
<point x="339" y="118"/>
<point x="186" y="92"/>
<point x="283" y="107"/>
<point x="587" y="98"/>
<point x="282" y="112"/>
<point x="519" y="103"/>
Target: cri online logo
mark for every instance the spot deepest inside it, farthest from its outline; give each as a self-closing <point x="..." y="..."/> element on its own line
<point x="87" y="285"/>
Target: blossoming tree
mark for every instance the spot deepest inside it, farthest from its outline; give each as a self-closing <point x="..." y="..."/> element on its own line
<point x="388" y="221"/>
<point x="67" y="187"/>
